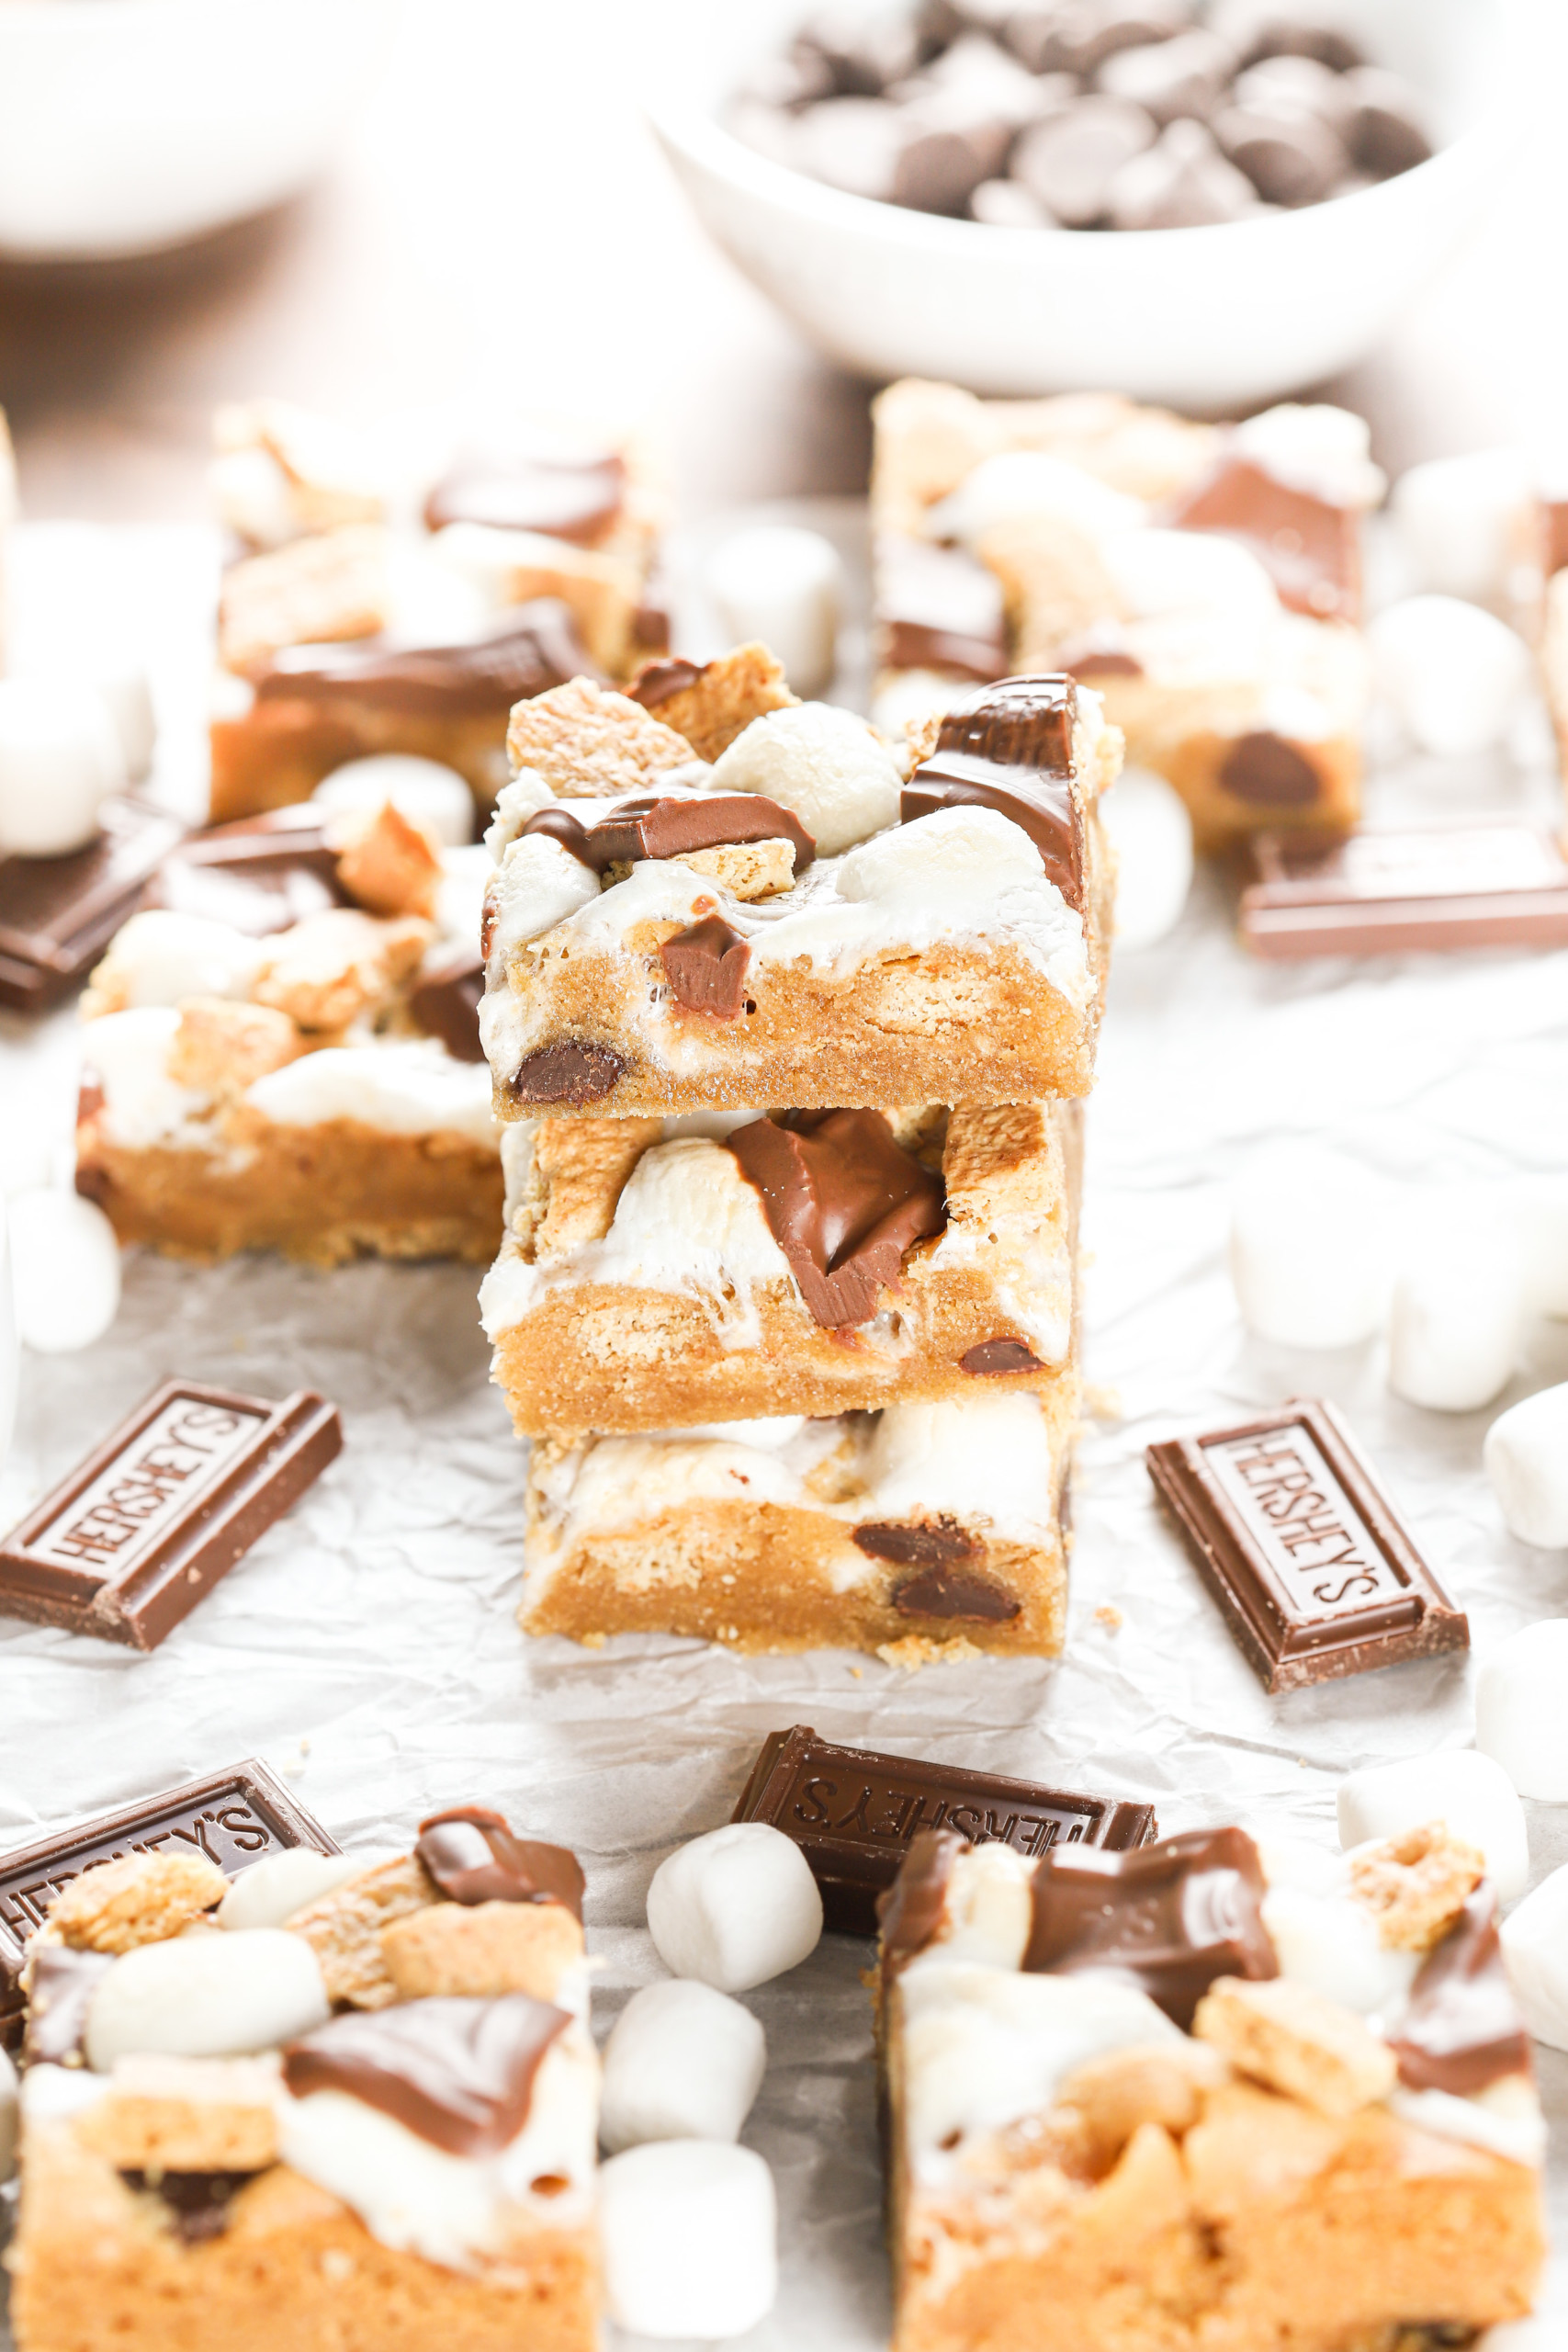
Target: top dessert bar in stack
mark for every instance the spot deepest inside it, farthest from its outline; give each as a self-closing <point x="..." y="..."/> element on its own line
<point x="399" y="591"/>
<point x="709" y="897"/>
<point x="1206" y="580"/>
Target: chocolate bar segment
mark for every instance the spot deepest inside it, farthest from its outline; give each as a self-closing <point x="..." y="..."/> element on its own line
<point x="234" y="1817"/>
<point x="137" y="1535"/>
<point x="1404" y="893"/>
<point x="853" y="1813"/>
<point x="1316" y="1574"/>
<point x="58" y="915"/>
<point x="1010" y="748"/>
<point x="844" y="1199"/>
<point x="1310" y="548"/>
<point x="532" y="647"/>
<point x="260" y="874"/>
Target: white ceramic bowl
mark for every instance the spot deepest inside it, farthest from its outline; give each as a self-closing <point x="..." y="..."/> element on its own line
<point x="1202" y="318"/>
<point x="129" y="125"/>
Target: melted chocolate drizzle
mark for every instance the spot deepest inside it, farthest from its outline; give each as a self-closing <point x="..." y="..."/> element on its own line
<point x="459" y="2073"/>
<point x="1463" y="2029"/>
<point x="843" y="1201"/>
<point x="474" y="1857"/>
<point x="1010" y="747"/>
<point x="667" y="827"/>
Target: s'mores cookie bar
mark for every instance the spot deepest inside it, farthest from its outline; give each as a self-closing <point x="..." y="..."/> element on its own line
<point x="922" y="1532"/>
<point x="1193" y="2096"/>
<point x="807" y="1262"/>
<point x="1205" y="580"/>
<point x="400" y="592"/>
<point x="801" y="921"/>
<point x="326" y="2103"/>
<point x="284" y="1053"/>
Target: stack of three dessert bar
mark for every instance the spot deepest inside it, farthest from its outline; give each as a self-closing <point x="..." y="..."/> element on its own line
<point x="788" y="1027"/>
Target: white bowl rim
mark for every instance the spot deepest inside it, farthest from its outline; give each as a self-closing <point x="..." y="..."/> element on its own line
<point x="67" y="18"/>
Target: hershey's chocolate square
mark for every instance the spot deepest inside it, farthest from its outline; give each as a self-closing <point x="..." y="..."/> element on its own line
<point x="58" y="915"/>
<point x="1404" y="893"/>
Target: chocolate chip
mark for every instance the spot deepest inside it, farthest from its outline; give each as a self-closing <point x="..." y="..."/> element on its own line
<point x="706" y="966"/>
<point x="1385" y="133"/>
<point x="863" y="49"/>
<point x="1265" y="772"/>
<point x="1069" y="162"/>
<point x="1299" y="84"/>
<point x="1005" y="204"/>
<point x="1182" y="181"/>
<point x="955" y="1594"/>
<point x="929" y="1544"/>
<point x="1080" y="36"/>
<point x="197" y="2202"/>
<point x="1170" y="78"/>
<point x="1291" y="159"/>
<point x="570" y="1073"/>
<point x="1263" y="28"/>
<point x="990" y="1359"/>
<point x="939" y="169"/>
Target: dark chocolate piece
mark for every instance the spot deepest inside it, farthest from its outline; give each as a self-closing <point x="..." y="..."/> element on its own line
<point x="474" y="1857"/>
<point x="1391" y="894"/>
<point x="1311" y="550"/>
<point x="1010" y="747"/>
<point x="927" y="1544"/>
<point x="992" y="1359"/>
<point x="670" y="827"/>
<point x="939" y="609"/>
<point x="1463" y="2029"/>
<point x="1167" y="1918"/>
<point x="909" y="1912"/>
<point x="1303" y="32"/>
<point x="706" y="965"/>
<point x="197" y="2202"/>
<point x="260" y="874"/>
<point x="531" y="488"/>
<point x="1265" y="772"/>
<point x="843" y="1201"/>
<point x="234" y="1817"/>
<point x="1312" y="1567"/>
<point x="954" y="1596"/>
<point x="1385" y="130"/>
<point x="1291" y="157"/>
<point x="144" y="1528"/>
<point x="569" y="1073"/>
<point x="1070" y="160"/>
<point x="656" y="682"/>
<point x="459" y="2073"/>
<point x="445" y="999"/>
<point x="60" y="1987"/>
<point x="58" y="915"/>
<point x="855" y="1815"/>
<point x="527" y="650"/>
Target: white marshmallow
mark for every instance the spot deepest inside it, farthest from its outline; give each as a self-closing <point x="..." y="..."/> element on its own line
<point x="274" y="1888"/>
<point x="1151" y="833"/>
<point x="406" y="1086"/>
<point x="161" y="957"/>
<point x="128" y="697"/>
<point x="64" y="1270"/>
<point x="736" y="1907"/>
<point x="1029" y="483"/>
<point x="782" y="585"/>
<point x="9" y="2106"/>
<point x="424" y="791"/>
<point x="688" y="2238"/>
<point x="1519" y="1716"/>
<point x="1322" y="450"/>
<point x="60" y="760"/>
<point x="1330" y="1943"/>
<point x="1458" y="520"/>
<point x="538" y="884"/>
<point x="1471" y="1792"/>
<point x="1452" y="673"/>
<point x="683" y="2063"/>
<point x="989" y="1910"/>
<point x="1454" y="1329"/>
<point x="971" y="849"/>
<point x="1525" y="1455"/>
<point x="517" y="800"/>
<point x="10" y="1340"/>
<point x="1535" y="1946"/>
<point x="1542" y="1222"/>
<point x="1544" y="2333"/>
<point x="823" y="763"/>
<point x="207" y="1996"/>
<point x="1308" y="1253"/>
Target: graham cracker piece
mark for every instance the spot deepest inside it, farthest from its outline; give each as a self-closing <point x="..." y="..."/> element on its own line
<point x="724" y="698"/>
<point x="482" y="1949"/>
<point x="343" y="1928"/>
<point x="1116" y="2095"/>
<point x="997" y="1160"/>
<point x="139" y="1899"/>
<point x="220" y="1047"/>
<point x="165" y="2114"/>
<point x="314" y="590"/>
<point x="390" y="866"/>
<point x="582" y="1166"/>
<point x="323" y="462"/>
<point x="331" y="968"/>
<point x="1297" y="2042"/>
<point x="745" y="869"/>
<point x="1415" y="1885"/>
<point x="601" y="590"/>
<point x="588" y="742"/>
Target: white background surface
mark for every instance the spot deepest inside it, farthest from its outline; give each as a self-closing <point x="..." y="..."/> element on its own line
<point x="367" y="1646"/>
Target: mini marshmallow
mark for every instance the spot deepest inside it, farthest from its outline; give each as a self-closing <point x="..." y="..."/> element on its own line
<point x="9" y="2106"/>
<point x="207" y="1996"/>
<point x="1525" y="1455"/>
<point x="64" y="1270"/>
<point x="1519" y="1716"/>
<point x="823" y="763"/>
<point x="128" y="697"/>
<point x="1307" y="1249"/>
<point x="1471" y="1792"/>
<point x="1454" y="1329"/>
<point x="1151" y="832"/>
<point x="688" y="2239"/>
<point x="424" y="791"/>
<point x="1541" y="1223"/>
<point x="736" y="1907"/>
<point x="683" y="2063"/>
<point x="1452" y="673"/>
<point x="782" y="585"/>
<point x="161" y="957"/>
<point x="272" y="1890"/>
<point x="1535" y="1946"/>
<point x="60" y="760"/>
<point x="1458" y="520"/>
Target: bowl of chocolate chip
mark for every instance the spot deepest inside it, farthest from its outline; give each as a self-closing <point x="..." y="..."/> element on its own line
<point x="1208" y="202"/>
